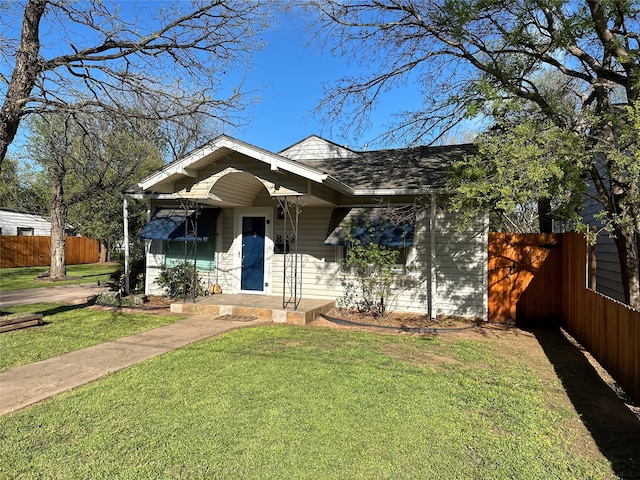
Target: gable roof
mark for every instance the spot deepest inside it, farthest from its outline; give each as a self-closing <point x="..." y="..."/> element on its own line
<point x="219" y="147"/>
<point x="407" y="170"/>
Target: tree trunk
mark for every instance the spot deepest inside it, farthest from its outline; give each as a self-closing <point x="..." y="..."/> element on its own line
<point x="58" y="222"/>
<point x="544" y="215"/>
<point x="23" y="78"/>
<point x="104" y="252"/>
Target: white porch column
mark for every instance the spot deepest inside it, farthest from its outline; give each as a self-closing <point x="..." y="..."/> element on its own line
<point x="434" y="280"/>
<point x="125" y="214"/>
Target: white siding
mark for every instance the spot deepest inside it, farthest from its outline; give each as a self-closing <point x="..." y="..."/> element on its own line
<point x="608" y="276"/>
<point x="461" y="268"/>
<point x="412" y="289"/>
<point x="460" y="264"/>
<point x="316" y="148"/>
<point x="10" y="221"/>
<point x="155" y="260"/>
<point x="317" y="261"/>
<point x="225" y="275"/>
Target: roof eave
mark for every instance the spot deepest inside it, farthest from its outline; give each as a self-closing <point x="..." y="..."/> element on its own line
<point x="338" y="186"/>
<point x="359" y="192"/>
<point x="276" y="162"/>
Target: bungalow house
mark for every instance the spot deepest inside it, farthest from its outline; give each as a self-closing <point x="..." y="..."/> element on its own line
<point x="263" y="223"/>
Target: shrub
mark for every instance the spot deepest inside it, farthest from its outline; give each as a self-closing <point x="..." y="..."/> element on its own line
<point x="370" y="268"/>
<point x="136" y="275"/>
<point x="180" y="281"/>
<point x="113" y="299"/>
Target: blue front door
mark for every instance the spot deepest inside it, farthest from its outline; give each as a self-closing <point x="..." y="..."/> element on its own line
<point x="253" y="229"/>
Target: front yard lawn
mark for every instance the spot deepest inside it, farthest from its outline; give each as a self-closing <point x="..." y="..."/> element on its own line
<point x="68" y="328"/>
<point x="312" y="403"/>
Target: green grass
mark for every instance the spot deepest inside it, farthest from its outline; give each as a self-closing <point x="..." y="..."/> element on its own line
<point x="307" y="403"/>
<point x="25" y="277"/>
<point x="68" y="328"/>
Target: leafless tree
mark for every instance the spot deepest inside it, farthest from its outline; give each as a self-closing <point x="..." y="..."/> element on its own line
<point x="64" y="56"/>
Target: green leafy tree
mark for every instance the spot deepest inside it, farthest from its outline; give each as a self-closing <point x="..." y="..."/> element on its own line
<point x="22" y="188"/>
<point x="472" y="58"/>
<point x="519" y="172"/>
<point x="10" y="185"/>
<point x="90" y="159"/>
<point x="128" y="153"/>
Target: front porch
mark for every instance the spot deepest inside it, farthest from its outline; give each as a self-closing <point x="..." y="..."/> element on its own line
<point x="261" y="307"/>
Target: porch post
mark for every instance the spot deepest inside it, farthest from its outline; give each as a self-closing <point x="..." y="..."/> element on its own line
<point x="125" y="214"/>
<point x="432" y="290"/>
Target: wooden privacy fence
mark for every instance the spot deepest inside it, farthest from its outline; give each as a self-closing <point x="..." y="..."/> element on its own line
<point x="523" y="282"/>
<point x="608" y="329"/>
<point x="26" y="251"/>
<point x="541" y="280"/>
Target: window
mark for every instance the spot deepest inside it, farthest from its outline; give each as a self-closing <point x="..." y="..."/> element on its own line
<point x="385" y="226"/>
<point x="404" y="261"/>
<point x="25" y="231"/>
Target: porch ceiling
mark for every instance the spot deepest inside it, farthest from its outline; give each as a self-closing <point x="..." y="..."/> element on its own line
<point x="236" y="189"/>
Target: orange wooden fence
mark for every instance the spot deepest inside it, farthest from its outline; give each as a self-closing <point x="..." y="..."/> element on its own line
<point x="541" y="279"/>
<point x="608" y="329"/>
<point x="25" y="251"/>
<point x="524" y="285"/>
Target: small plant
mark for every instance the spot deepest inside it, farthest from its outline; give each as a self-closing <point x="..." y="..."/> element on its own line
<point x="371" y="270"/>
<point x="180" y="281"/>
<point x="113" y="299"/>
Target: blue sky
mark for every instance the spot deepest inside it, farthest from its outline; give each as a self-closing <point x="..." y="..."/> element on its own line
<point x="288" y="77"/>
<point x="291" y="76"/>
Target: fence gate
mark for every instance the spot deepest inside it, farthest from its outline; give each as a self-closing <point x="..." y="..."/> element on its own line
<point x="525" y="278"/>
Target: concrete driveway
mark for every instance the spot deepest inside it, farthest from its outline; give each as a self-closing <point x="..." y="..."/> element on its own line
<point x="56" y="293"/>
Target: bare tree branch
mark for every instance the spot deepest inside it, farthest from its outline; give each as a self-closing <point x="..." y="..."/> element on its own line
<point x="69" y="56"/>
<point x="504" y="43"/>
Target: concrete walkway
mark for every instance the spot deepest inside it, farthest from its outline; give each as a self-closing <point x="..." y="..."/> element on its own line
<point x="29" y="384"/>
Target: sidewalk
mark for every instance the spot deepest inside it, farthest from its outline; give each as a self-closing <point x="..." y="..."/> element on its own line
<point x="29" y="384"/>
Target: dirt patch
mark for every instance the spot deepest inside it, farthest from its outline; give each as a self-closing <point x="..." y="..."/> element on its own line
<point x="397" y="322"/>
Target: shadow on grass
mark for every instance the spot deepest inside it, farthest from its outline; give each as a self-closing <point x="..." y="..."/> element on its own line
<point x="58" y="308"/>
<point x="96" y="275"/>
<point x="66" y="308"/>
<point x="615" y="428"/>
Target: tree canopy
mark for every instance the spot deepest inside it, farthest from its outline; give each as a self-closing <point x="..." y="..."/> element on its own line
<point x="89" y="159"/>
<point x="466" y="54"/>
<point x="572" y="66"/>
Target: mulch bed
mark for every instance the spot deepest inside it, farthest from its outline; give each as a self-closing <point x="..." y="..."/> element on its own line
<point x="395" y="322"/>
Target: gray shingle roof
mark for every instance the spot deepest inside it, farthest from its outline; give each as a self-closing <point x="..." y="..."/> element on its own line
<point x="423" y="168"/>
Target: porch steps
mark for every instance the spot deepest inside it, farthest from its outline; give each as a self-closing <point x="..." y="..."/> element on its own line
<point x="261" y="307"/>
